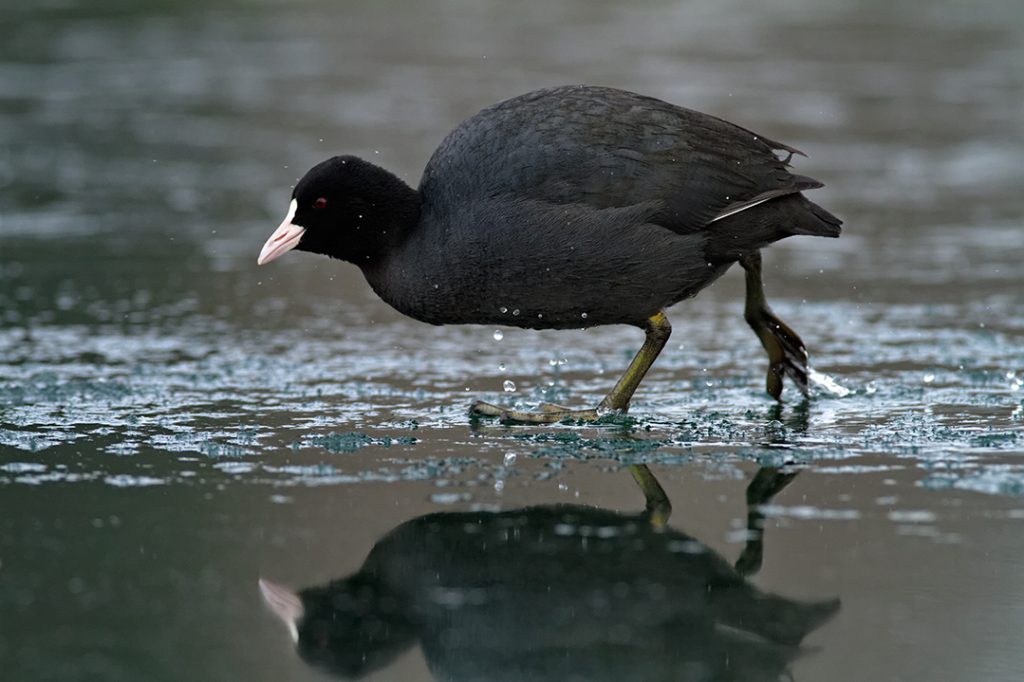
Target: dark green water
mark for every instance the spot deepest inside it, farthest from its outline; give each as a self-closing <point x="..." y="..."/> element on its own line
<point x="176" y="423"/>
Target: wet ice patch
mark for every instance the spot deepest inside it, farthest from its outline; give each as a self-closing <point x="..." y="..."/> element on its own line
<point x="34" y="441"/>
<point x="351" y="441"/>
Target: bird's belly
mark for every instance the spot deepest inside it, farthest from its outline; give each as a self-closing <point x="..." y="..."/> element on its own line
<point x="544" y="288"/>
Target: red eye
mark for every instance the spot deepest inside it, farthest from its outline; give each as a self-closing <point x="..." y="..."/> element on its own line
<point x="320" y="203"/>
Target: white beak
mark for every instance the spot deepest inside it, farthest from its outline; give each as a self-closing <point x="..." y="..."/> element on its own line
<point x="285" y="238"/>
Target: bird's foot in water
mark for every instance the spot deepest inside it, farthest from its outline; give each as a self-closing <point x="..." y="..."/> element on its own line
<point x="787" y="355"/>
<point x="547" y="413"/>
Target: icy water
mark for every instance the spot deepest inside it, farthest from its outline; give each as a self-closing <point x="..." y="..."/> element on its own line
<point x="176" y="423"/>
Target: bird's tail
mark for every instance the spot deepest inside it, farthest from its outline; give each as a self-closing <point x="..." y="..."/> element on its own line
<point x="809" y="218"/>
<point x="775" y="618"/>
<point x="755" y="228"/>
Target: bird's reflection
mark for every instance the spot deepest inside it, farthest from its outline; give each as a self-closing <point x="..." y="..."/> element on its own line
<point x="556" y="593"/>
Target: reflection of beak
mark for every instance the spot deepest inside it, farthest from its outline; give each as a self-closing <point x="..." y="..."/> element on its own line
<point x="285" y="238"/>
<point x="285" y="604"/>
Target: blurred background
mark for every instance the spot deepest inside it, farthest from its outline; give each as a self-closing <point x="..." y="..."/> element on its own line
<point x="176" y="422"/>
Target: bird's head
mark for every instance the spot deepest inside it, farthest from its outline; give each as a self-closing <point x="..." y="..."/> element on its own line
<point x="349" y="627"/>
<point x="345" y="208"/>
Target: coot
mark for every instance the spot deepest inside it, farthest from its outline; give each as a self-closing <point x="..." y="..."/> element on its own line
<point x="568" y="207"/>
<point x="534" y="594"/>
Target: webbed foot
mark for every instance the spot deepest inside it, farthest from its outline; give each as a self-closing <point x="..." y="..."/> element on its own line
<point x="787" y="355"/>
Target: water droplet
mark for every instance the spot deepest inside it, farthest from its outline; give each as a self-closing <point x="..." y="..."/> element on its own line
<point x="498" y="335"/>
<point x="563" y="487"/>
<point x="516" y="311"/>
<point x="502" y="310"/>
<point x="501" y="367"/>
<point x="499" y="485"/>
<point x="553" y="362"/>
<point x="510" y="459"/>
<point x="929" y="378"/>
<point x="583" y="315"/>
<point x="509" y="386"/>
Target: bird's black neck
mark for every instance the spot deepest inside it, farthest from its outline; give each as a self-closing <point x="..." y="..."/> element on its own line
<point x="389" y="219"/>
<point x="373" y="220"/>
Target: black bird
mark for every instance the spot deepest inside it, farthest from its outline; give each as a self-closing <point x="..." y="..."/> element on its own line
<point x="555" y="593"/>
<point x="568" y="207"/>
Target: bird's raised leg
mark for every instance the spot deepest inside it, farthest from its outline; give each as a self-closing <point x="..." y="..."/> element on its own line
<point x="787" y="355"/>
<point x="657" y="330"/>
<point x="767" y="483"/>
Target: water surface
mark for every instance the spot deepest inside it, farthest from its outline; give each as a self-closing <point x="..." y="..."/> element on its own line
<point x="176" y="423"/>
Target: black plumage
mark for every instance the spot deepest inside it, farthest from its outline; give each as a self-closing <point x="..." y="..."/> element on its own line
<point x="552" y="593"/>
<point x="566" y="207"/>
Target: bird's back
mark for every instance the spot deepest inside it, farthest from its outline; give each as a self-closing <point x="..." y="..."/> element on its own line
<point x="602" y="148"/>
<point x="579" y="206"/>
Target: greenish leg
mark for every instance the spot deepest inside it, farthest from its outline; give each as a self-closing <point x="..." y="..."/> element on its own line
<point x="787" y="355"/>
<point x="767" y="483"/>
<point x="658" y="506"/>
<point x="657" y="329"/>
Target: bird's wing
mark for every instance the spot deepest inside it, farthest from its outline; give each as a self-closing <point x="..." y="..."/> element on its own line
<point x="608" y="148"/>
